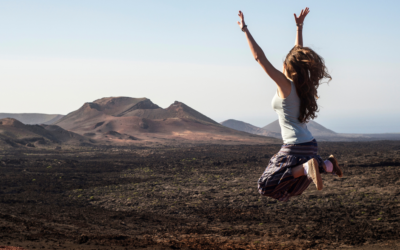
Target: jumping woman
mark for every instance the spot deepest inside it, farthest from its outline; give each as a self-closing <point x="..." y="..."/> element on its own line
<point x="297" y="164"/>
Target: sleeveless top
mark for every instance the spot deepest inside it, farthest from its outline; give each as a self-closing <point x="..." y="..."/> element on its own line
<point x="288" y="110"/>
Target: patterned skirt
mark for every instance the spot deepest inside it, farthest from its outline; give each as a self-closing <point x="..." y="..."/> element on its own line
<point x="277" y="181"/>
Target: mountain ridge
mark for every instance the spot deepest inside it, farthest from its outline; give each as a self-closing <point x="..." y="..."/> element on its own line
<point x="114" y="119"/>
<point x="315" y="128"/>
<point x="247" y="127"/>
<point x="16" y="134"/>
<point x="32" y="118"/>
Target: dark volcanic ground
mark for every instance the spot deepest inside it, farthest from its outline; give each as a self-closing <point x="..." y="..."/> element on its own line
<point x="195" y="198"/>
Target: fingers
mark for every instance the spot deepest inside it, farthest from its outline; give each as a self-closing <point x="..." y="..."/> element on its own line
<point x="241" y="15"/>
<point x="238" y="23"/>
<point x="307" y="10"/>
<point x="304" y="12"/>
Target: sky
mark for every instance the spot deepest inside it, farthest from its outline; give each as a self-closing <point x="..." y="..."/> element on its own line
<point x="57" y="55"/>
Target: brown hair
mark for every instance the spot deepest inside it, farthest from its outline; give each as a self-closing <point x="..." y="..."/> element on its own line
<point x="306" y="68"/>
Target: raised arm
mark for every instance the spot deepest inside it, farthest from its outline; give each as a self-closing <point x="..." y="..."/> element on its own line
<point x="258" y="54"/>
<point x="299" y="23"/>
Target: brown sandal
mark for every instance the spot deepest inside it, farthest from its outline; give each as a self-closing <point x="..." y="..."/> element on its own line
<point x="313" y="173"/>
<point x="336" y="169"/>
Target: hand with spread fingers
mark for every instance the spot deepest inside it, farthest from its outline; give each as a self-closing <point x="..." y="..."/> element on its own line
<point x="299" y="20"/>
<point x="241" y="24"/>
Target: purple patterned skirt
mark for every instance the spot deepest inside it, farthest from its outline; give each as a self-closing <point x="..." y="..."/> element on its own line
<point x="277" y="180"/>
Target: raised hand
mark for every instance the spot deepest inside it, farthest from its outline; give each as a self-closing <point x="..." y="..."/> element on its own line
<point x="241" y="24"/>
<point x="303" y="14"/>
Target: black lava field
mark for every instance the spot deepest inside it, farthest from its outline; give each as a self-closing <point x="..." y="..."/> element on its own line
<point x="199" y="197"/>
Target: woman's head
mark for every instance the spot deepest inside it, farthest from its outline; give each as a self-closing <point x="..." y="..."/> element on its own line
<point x="306" y="68"/>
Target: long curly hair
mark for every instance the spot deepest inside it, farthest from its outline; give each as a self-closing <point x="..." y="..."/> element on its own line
<point x="306" y="68"/>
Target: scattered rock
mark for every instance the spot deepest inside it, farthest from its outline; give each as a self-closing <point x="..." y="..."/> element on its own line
<point x="98" y="124"/>
<point x="143" y="124"/>
<point x="89" y="134"/>
<point x="114" y="133"/>
<point x="82" y="239"/>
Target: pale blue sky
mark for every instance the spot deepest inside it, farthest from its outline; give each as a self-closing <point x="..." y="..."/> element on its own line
<point x="56" y="55"/>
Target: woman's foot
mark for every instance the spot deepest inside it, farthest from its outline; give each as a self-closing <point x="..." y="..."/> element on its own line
<point x="313" y="173"/>
<point x="336" y="169"/>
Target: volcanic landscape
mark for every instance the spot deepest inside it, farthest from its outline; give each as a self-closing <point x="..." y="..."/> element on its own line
<point x="113" y="175"/>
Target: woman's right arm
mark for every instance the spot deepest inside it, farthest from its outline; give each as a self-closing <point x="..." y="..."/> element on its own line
<point x="258" y="54"/>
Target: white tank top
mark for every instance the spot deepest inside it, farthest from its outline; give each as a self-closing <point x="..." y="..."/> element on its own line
<point x="288" y="110"/>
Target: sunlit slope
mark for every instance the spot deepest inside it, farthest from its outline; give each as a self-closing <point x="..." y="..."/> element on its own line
<point x="116" y="118"/>
<point x="16" y="134"/>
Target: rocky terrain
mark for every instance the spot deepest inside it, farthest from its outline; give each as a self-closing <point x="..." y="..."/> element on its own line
<point x="123" y="173"/>
<point x="200" y="197"/>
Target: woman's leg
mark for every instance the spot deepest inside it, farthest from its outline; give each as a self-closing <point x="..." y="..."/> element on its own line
<point x="330" y="166"/>
<point x="311" y="168"/>
<point x="298" y="171"/>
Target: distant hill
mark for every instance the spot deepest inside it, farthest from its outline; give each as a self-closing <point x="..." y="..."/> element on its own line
<point x="274" y="130"/>
<point x="321" y="133"/>
<point x="128" y="120"/>
<point x="108" y="110"/>
<point x="246" y="127"/>
<point x="32" y="118"/>
<point x="315" y="128"/>
<point x="14" y="133"/>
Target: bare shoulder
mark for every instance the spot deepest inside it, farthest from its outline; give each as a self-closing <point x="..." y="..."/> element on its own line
<point x="284" y="87"/>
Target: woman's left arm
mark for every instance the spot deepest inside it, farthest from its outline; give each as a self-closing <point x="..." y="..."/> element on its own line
<point x="299" y="23"/>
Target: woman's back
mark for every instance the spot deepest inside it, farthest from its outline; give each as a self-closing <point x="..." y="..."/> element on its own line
<point x="288" y="110"/>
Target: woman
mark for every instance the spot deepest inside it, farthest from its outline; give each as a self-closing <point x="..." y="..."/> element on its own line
<point x="297" y="164"/>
